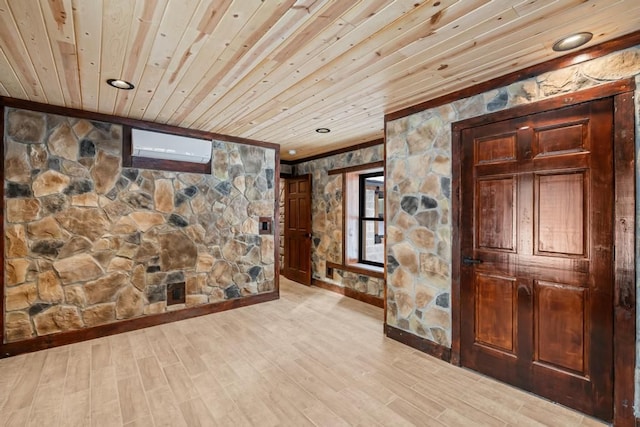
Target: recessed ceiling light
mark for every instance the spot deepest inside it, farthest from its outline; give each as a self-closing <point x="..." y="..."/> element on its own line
<point x="573" y="41"/>
<point x="292" y="152"/>
<point x="323" y="130"/>
<point x="120" y="84"/>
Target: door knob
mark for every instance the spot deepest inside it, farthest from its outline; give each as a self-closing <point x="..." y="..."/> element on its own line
<point x="471" y="261"/>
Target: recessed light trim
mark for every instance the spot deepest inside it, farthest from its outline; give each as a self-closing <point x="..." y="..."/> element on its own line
<point x="573" y="41"/>
<point x="323" y="130"/>
<point x="120" y="84"/>
<point x="292" y="152"/>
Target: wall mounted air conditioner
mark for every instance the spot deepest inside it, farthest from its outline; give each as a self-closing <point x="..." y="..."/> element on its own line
<point x="165" y="146"/>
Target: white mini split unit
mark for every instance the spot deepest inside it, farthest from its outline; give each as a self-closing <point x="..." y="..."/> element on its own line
<point x="165" y="146"/>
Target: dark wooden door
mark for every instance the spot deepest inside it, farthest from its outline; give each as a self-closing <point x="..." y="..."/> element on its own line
<point x="537" y="226"/>
<point x="297" y="229"/>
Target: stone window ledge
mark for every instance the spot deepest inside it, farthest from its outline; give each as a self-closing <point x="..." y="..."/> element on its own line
<point x="358" y="268"/>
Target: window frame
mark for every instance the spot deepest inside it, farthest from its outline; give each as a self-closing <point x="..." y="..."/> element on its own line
<point x="362" y="218"/>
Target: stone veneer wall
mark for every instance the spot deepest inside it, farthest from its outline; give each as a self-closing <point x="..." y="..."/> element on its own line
<point x="281" y="222"/>
<point x="418" y="176"/>
<point x="326" y="217"/>
<point x="88" y="242"/>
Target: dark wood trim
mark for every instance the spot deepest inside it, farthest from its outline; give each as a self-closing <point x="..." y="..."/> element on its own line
<point x="64" y="338"/>
<point x="386" y="192"/>
<point x="624" y="232"/>
<point x="344" y="220"/>
<point x="573" y="58"/>
<point x="624" y="332"/>
<point x="169" y="165"/>
<point x="360" y="146"/>
<point x="130" y="161"/>
<point x="358" y="269"/>
<point x="348" y="292"/>
<point x="276" y="223"/>
<point x="2" y="232"/>
<point x="357" y="168"/>
<point x="456" y="243"/>
<point x="140" y="124"/>
<point x="424" y="345"/>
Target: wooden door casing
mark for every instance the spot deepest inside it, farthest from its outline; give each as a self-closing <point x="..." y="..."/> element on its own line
<point x="537" y="209"/>
<point x="297" y="229"/>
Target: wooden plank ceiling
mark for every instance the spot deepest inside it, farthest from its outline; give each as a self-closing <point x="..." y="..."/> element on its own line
<point x="275" y="70"/>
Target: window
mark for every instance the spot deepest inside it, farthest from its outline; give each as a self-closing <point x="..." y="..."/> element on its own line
<point x="364" y="217"/>
<point x="371" y="219"/>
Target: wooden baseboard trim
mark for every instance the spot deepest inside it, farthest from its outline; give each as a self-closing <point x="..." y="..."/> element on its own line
<point x="422" y="344"/>
<point x="348" y="292"/>
<point x="64" y="338"/>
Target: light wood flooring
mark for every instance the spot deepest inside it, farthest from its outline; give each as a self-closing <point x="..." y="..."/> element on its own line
<point x="311" y="358"/>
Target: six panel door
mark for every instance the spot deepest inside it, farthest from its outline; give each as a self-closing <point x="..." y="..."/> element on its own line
<point x="537" y="233"/>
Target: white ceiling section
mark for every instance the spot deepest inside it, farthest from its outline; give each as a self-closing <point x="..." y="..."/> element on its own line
<point x="275" y="70"/>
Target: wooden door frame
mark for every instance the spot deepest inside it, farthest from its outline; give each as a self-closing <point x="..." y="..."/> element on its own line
<point x="624" y="309"/>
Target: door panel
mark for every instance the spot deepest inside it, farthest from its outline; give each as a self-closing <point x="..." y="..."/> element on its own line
<point x="297" y="229"/>
<point x="561" y="209"/>
<point x="496" y="214"/>
<point x="560" y="312"/>
<point x="537" y="210"/>
<point x="496" y="309"/>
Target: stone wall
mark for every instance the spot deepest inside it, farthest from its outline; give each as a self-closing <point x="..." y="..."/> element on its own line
<point x="281" y="222"/>
<point x="88" y="242"/>
<point x="418" y="174"/>
<point x="326" y="217"/>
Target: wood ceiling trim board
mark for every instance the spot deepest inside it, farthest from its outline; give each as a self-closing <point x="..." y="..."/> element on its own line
<point x="265" y="49"/>
<point x="3" y="90"/>
<point x="256" y="29"/>
<point x="307" y="93"/>
<point x="191" y="43"/>
<point x="250" y="89"/>
<point x="209" y="60"/>
<point x="118" y="16"/>
<point x="88" y="37"/>
<point x="14" y="47"/>
<point x="58" y="20"/>
<point x="30" y="24"/>
<point x="148" y="14"/>
<point x="301" y="61"/>
<point x="314" y="29"/>
<point x="169" y="34"/>
<point x="12" y="84"/>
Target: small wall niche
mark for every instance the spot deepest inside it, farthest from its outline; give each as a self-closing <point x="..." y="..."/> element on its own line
<point x="265" y="225"/>
<point x="176" y="293"/>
